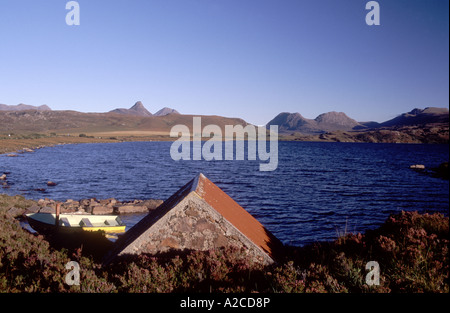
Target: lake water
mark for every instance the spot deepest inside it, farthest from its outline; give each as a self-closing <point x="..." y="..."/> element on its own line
<point x="318" y="190"/>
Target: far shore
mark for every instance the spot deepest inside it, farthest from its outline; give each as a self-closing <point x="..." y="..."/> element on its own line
<point x="18" y="143"/>
<point x="27" y="143"/>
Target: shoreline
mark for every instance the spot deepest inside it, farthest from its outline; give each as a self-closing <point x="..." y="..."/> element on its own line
<point x="91" y="206"/>
<point x="22" y="145"/>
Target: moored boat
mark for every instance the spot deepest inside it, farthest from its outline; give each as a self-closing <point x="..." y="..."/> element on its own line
<point x="69" y="223"/>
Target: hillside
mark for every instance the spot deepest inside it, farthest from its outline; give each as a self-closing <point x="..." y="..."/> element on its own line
<point x="72" y="122"/>
<point x="419" y="117"/>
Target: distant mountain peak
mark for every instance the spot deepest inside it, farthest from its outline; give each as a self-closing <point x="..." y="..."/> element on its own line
<point x="415" y="111"/>
<point x="137" y="109"/>
<point x="137" y="106"/>
<point x="166" y="111"/>
<point x="338" y="119"/>
<point x="23" y="107"/>
<point x="428" y="115"/>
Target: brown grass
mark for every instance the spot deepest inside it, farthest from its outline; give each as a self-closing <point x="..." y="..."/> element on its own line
<point x="14" y="145"/>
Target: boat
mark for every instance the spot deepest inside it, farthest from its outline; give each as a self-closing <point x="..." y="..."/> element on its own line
<point x="71" y="223"/>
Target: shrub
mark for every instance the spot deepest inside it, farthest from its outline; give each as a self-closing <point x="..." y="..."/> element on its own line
<point x="411" y="248"/>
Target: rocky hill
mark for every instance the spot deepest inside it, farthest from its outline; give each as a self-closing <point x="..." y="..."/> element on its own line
<point x="419" y="117"/>
<point x="166" y="111"/>
<point x="72" y="122"/>
<point x="138" y="109"/>
<point x="335" y="121"/>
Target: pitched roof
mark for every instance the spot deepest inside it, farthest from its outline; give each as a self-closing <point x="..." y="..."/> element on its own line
<point x="212" y="198"/>
<point x="235" y="214"/>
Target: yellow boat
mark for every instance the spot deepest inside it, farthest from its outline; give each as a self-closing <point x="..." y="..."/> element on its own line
<point x="47" y="223"/>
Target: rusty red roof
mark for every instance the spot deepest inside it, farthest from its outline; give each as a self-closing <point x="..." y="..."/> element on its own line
<point x="236" y="215"/>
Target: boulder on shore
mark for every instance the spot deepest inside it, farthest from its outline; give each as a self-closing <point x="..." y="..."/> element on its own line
<point x="102" y="210"/>
<point x="47" y="209"/>
<point x="152" y="204"/>
<point x="95" y="207"/>
<point x="130" y="208"/>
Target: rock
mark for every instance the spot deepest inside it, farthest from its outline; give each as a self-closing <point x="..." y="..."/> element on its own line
<point x="126" y="209"/>
<point x="417" y="167"/>
<point x="33" y="209"/>
<point x="84" y="202"/>
<point x="15" y="212"/>
<point x="51" y="184"/>
<point x="152" y="204"/>
<point x="81" y="210"/>
<point x="47" y="209"/>
<point x="104" y="202"/>
<point x="101" y="210"/>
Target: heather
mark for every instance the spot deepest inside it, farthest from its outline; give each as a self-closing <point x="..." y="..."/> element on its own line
<point x="411" y="248"/>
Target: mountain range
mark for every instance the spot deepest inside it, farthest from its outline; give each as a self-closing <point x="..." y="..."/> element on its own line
<point x="289" y="123"/>
<point x="23" y="107"/>
<point x="429" y="125"/>
<point x="138" y="109"/>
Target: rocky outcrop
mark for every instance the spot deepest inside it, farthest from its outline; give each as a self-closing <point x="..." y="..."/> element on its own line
<point x="94" y="206"/>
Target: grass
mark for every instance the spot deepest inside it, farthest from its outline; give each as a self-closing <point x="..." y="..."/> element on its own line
<point x="34" y="141"/>
<point x="411" y="248"/>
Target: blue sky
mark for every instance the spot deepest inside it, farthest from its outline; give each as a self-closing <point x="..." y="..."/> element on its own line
<point x="239" y="58"/>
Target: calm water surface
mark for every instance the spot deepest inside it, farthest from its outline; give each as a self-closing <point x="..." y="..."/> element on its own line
<point x="318" y="190"/>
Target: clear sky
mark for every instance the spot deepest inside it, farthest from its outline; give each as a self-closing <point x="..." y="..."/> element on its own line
<point x="238" y="58"/>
